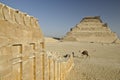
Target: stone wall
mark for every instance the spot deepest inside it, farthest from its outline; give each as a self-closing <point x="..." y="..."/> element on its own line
<point x="31" y="62"/>
<point x="22" y="49"/>
<point x="16" y="16"/>
<point x="55" y="68"/>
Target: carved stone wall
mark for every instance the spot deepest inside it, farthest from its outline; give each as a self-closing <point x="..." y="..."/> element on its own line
<point x="91" y="29"/>
<point x="22" y="49"/>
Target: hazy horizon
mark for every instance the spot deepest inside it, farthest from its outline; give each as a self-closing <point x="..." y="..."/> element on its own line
<point x="56" y="17"/>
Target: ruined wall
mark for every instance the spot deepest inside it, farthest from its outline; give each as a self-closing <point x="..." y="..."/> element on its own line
<point x="55" y="68"/>
<point x="91" y="29"/>
<point x="22" y="49"/>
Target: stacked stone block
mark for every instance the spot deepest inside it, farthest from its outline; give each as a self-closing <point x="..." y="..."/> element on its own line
<point x="91" y="29"/>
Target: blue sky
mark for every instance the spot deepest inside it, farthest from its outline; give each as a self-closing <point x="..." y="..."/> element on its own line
<point x="56" y="17"/>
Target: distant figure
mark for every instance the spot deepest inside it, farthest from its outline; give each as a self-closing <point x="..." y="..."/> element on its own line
<point x="67" y="55"/>
<point x="73" y="54"/>
<point x="85" y="52"/>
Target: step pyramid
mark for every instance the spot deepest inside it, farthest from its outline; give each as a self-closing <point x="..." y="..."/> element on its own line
<point x="91" y="29"/>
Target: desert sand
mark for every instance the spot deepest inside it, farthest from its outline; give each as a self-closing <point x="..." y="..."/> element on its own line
<point x="49" y="39"/>
<point x="103" y="63"/>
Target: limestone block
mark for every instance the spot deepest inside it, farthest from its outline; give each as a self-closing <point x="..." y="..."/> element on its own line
<point x="59" y="70"/>
<point x="1" y="12"/>
<point x="36" y="22"/>
<point x="51" y="73"/>
<point x="27" y="20"/>
<point x="43" y="66"/>
<point x="16" y="71"/>
<point x="32" y="21"/>
<point x="62" y="70"/>
<point x="12" y="13"/>
<point x="47" y="68"/>
<point x="18" y="17"/>
<point x="55" y="70"/>
<point x="40" y="66"/>
<point x="6" y="13"/>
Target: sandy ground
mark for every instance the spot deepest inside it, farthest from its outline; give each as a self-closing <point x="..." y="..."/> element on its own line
<point x="103" y="63"/>
<point x="48" y="39"/>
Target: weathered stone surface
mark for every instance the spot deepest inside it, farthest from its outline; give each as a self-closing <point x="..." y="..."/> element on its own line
<point x="19" y="38"/>
<point x="22" y="49"/>
<point x="91" y="29"/>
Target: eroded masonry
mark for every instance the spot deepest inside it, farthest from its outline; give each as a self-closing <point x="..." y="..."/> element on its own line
<point x="91" y="29"/>
<point x="22" y="49"/>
